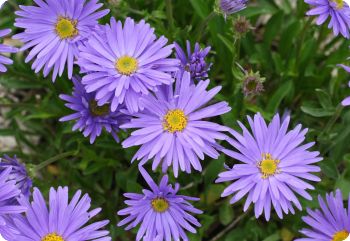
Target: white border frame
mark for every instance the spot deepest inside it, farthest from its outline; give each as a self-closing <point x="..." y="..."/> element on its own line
<point x="1" y="3"/>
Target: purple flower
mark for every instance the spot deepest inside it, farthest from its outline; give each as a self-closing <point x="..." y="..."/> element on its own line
<point x="18" y="174"/>
<point x="161" y="212"/>
<point x="54" y="39"/>
<point x="90" y="118"/>
<point x="273" y="166"/>
<point x="229" y="7"/>
<point x="63" y="221"/>
<point x="5" y="49"/>
<point x="337" y="10"/>
<point x="332" y="222"/>
<point x="193" y="62"/>
<point x="7" y="230"/>
<point x="128" y="62"/>
<point x="8" y="192"/>
<point x="171" y="128"/>
<point x="346" y="101"/>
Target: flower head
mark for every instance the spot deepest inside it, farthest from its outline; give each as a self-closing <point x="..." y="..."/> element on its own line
<point x="62" y="221"/>
<point x="5" y="49"/>
<point x="172" y="130"/>
<point x="128" y="63"/>
<point x="241" y="26"/>
<point x="18" y="174"/>
<point x="253" y="84"/>
<point x="54" y="39"/>
<point x="91" y="118"/>
<point x="337" y="10"/>
<point x="193" y="62"/>
<point x="331" y="222"/>
<point x="8" y="192"/>
<point x="229" y="7"/>
<point x="273" y="166"/>
<point x="161" y="212"/>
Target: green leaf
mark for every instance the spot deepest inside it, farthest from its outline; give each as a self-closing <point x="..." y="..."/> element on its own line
<point x="274" y="24"/>
<point x="325" y="99"/>
<point x="329" y="168"/>
<point x="200" y="8"/>
<point x="288" y="36"/>
<point x="279" y="95"/>
<point x="273" y="237"/>
<point x="317" y="112"/>
<point x="226" y="213"/>
<point x="344" y="185"/>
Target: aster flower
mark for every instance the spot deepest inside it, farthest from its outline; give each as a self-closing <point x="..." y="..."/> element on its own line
<point x="161" y="212"/>
<point x="63" y="221"/>
<point x="5" y="49"/>
<point x="8" y="192"/>
<point x="337" y="10"/>
<point x="90" y="118"/>
<point x="229" y="7"/>
<point x="128" y="63"/>
<point x="193" y="62"/>
<point x="8" y="230"/>
<point x="18" y="173"/>
<point x="54" y="39"/>
<point x="274" y="166"/>
<point x="171" y="128"/>
<point x="330" y="223"/>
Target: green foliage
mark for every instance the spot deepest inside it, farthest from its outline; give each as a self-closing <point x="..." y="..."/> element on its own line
<point x="297" y="58"/>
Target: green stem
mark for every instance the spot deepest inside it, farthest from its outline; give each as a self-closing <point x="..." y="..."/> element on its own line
<point x="13" y="4"/>
<point x="204" y="25"/>
<point x="169" y="13"/>
<point x="54" y="159"/>
<point x="238" y="48"/>
<point x="302" y="37"/>
<point x="334" y="119"/>
<point x="228" y="228"/>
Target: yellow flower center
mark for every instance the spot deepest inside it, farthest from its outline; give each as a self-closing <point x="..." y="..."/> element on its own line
<point x="268" y="166"/>
<point x="160" y="205"/>
<point x="52" y="237"/>
<point x="174" y="120"/>
<point x="340" y="236"/>
<point x="126" y="65"/>
<point x="97" y="110"/>
<point x="66" y="28"/>
<point x="339" y="3"/>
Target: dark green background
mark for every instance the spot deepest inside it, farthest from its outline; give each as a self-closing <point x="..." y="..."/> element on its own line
<point x="297" y="58"/>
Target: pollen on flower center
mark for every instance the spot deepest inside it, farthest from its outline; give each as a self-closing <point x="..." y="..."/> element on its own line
<point x="66" y="28"/>
<point x="126" y="65"/>
<point x="339" y="3"/>
<point x="160" y="205"/>
<point x="52" y="237"/>
<point x="268" y="166"/>
<point x="175" y="120"/>
<point x="97" y="110"/>
<point x="340" y="236"/>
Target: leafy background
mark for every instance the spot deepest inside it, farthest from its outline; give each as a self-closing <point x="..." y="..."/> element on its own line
<point x="297" y="58"/>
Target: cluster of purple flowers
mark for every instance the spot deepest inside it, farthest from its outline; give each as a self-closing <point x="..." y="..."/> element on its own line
<point x="128" y="80"/>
